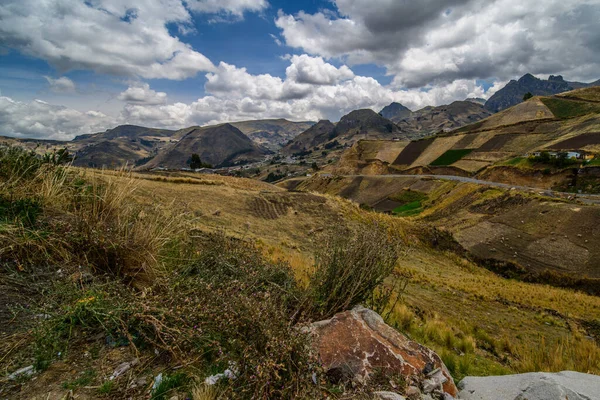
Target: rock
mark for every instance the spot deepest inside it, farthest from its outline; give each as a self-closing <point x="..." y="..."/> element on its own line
<point x="354" y="344"/>
<point x="157" y="381"/>
<point x="22" y="373"/>
<point x="123" y="367"/>
<point x="532" y="386"/>
<point x="413" y="393"/>
<point x="138" y="382"/>
<point x="82" y="277"/>
<point x="229" y="373"/>
<point x="388" y="396"/>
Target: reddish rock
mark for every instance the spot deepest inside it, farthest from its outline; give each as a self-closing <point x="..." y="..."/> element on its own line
<point x="353" y="344"/>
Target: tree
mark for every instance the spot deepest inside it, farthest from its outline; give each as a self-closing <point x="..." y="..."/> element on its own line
<point x="196" y="162"/>
<point x="59" y="157"/>
<point x="527" y="96"/>
<point x="314" y="166"/>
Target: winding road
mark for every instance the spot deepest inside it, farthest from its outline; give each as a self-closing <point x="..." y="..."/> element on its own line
<point x="583" y="197"/>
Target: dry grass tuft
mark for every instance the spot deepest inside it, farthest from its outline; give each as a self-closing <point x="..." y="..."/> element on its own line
<point x="61" y="215"/>
<point x="206" y="392"/>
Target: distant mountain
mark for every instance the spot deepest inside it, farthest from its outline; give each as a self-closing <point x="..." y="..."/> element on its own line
<point x="322" y="132"/>
<point x="431" y="120"/>
<point x="365" y="124"/>
<point x="126" y="131"/>
<point x="514" y="91"/>
<point x="125" y="144"/>
<point x="272" y="133"/>
<point x="395" y="112"/>
<point x="357" y="125"/>
<point x="476" y="100"/>
<point x="219" y="145"/>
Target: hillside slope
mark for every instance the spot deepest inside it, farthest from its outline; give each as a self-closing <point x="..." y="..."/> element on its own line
<point x="217" y="145"/>
<point x="322" y="132"/>
<point x="569" y="122"/>
<point x="500" y="227"/>
<point x="352" y="127"/>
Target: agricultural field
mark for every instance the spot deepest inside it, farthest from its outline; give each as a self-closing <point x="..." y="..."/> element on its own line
<point x="451" y="156"/>
<point x="564" y="109"/>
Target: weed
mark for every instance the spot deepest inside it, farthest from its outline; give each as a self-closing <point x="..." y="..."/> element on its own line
<point x="106" y="388"/>
<point x="84" y="379"/>
<point x="571" y="353"/>
<point x="206" y="392"/>
<point x="169" y="384"/>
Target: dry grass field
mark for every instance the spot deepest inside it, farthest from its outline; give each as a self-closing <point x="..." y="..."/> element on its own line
<point x="513" y="326"/>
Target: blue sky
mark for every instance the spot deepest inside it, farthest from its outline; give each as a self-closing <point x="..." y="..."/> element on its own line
<point x="246" y="42"/>
<point x="69" y="67"/>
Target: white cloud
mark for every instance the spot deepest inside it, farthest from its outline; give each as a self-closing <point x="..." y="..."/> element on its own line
<point x="142" y="94"/>
<point x="233" y="94"/>
<point x="230" y="81"/>
<point x="39" y="119"/>
<point x="313" y="70"/>
<point x="431" y="41"/>
<point x="119" y="37"/>
<point x="235" y="8"/>
<point x="61" y="85"/>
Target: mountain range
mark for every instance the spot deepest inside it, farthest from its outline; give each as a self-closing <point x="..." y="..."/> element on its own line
<point x="512" y="94"/>
<point x="249" y="141"/>
<point x="432" y="120"/>
<point x="272" y="133"/>
<point x="358" y="124"/>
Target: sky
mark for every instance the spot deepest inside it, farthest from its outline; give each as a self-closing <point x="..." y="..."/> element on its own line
<point x="70" y="67"/>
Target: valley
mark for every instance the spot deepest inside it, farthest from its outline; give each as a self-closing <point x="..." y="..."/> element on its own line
<point x="128" y="250"/>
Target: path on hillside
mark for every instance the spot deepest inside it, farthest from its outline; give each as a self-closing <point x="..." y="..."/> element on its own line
<point x="583" y="197"/>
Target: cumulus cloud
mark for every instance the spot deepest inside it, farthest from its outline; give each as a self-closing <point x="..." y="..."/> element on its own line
<point x="311" y="90"/>
<point x="61" y="85"/>
<point x="118" y="37"/>
<point x="142" y="94"/>
<point x="234" y="95"/>
<point x="435" y="41"/>
<point x="315" y="71"/>
<point x="39" y="119"/>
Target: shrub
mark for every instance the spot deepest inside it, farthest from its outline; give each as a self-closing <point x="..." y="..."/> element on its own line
<point x="350" y="267"/>
<point x="242" y="308"/>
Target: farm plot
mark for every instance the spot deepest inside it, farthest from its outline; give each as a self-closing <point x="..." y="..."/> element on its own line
<point x="450" y="157"/>
<point x="412" y="151"/>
